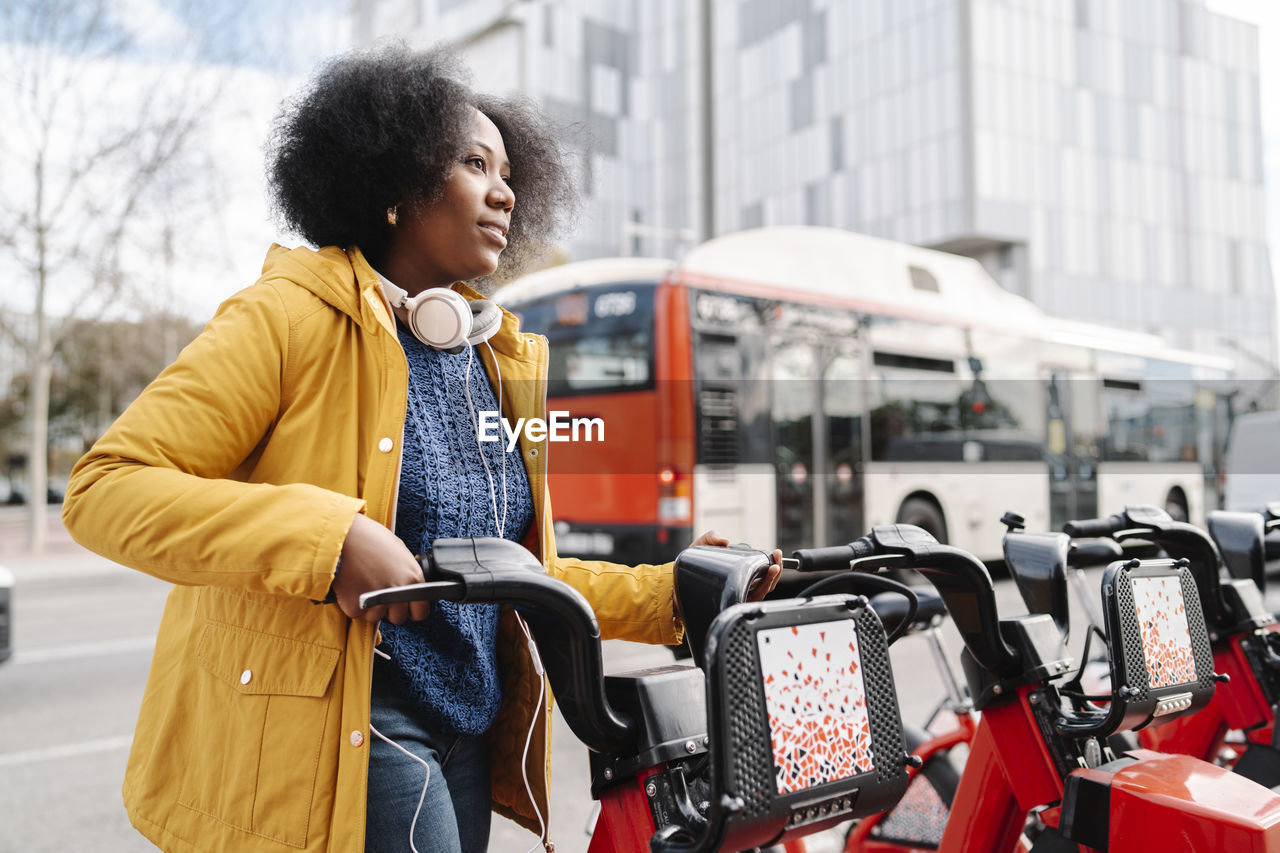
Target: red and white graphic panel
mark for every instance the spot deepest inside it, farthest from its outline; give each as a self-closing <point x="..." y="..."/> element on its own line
<point x="817" y="703"/>
<point x="1166" y="639"/>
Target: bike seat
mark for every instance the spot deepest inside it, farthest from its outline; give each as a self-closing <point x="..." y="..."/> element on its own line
<point x="892" y="608"/>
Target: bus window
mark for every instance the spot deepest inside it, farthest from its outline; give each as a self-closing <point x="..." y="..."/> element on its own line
<point x="1074" y="435"/>
<point x="930" y="420"/>
<point x="910" y="415"/>
<point x="718" y="358"/>
<point x="794" y="392"/>
<point x="1152" y="421"/>
<point x="842" y="405"/>
<point x="601" y="338"/>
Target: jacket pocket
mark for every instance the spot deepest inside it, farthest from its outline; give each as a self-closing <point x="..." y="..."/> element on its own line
<point x="260" y="708"/>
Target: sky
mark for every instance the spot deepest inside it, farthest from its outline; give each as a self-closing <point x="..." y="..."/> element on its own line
<point x="256" y="51"/>
<point x="297" y="37"/>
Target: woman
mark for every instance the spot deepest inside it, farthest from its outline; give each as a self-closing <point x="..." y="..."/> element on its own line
<point x="303" y="448"/>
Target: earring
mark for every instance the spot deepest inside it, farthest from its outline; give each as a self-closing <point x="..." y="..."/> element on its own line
<point x="391" y="214"/>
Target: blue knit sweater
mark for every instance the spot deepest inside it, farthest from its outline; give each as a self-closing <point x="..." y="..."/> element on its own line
<point x="447" y="663"/>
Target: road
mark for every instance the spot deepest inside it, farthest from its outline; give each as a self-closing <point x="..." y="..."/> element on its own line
<point x="83" y="636"/>
<point x="84" y="633"/>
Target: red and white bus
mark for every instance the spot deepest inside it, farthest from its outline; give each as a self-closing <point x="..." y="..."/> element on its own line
<point x="795" y="386"/>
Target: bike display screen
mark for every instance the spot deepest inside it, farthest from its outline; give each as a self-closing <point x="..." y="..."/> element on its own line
<point x="1166" y="637"/>
<point x="816" y="700"/>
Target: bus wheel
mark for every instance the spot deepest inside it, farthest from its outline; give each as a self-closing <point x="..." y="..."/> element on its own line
<point x="924" y="514"/>
<point x="1175" y="503"/>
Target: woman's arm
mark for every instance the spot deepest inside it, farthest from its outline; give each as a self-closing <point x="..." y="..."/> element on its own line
<point x="157" y="493"/>
<point x="638" y="603"/>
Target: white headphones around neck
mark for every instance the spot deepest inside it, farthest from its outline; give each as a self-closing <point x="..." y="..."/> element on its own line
<point x="442" y="318"/>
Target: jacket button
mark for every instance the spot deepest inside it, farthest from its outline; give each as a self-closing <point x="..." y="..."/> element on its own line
<point x="533" y="451"/>
<point x="357" y="738"/>
<point x="245" y="676"/>
<point x="385" y="445"/>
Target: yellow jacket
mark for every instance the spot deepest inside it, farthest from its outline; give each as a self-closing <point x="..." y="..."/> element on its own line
<point x="235" y="476"/>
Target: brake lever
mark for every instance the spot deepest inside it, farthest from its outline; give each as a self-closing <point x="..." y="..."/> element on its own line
<point x="449" y="590"/>
<point x="1134" y="533"/>
<point x="879" y="562"/>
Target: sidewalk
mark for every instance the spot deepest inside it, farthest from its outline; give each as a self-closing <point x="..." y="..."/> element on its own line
<point x="62" y="557"/>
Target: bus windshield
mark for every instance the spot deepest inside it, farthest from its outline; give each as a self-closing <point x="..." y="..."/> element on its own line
<point x="601" y="338"/>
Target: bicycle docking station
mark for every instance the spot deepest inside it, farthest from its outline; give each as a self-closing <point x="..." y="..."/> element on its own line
<point x="1162" y="669"/>
<point x="794" y="727"/>
<point x="805" y="728"/>
<point x="1243" y="634"/>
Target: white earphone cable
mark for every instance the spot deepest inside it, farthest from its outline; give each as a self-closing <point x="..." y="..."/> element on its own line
<point x="413" y="825"/>
<point x="498" y="371"/>
<point x="533" y="724"/>
<point x="421" y="797"/>
<point x="499" y="523"/>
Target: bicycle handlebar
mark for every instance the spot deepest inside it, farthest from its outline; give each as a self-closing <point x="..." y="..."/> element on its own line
<point x="834" y="557"/>
<point x="960" y="578"/>
<point x="1095" y="528"/>
<point x="561" y="620"/>
<point x="1178" y="539"/>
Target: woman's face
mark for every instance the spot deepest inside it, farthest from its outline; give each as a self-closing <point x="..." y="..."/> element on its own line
<point x="460" y="235"/>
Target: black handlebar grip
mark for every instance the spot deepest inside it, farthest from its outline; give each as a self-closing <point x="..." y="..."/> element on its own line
<point x="833" y="557"/>
<point x="1271" y="547"/>
<point x="1094" y="528"/>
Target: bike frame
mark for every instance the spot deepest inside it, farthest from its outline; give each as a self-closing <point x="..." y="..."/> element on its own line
<point x="625" y="822"/>
<point x="1238" y="705"/>
<point x="1006" y="775"/>
<point x="1022" y="758"/>
<point x="861" y="836"/>
<point x="1241" y="703"/>
<point x="1160" y="803"/>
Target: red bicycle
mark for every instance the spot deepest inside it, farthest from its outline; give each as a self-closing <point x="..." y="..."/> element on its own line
<point x="1244" y="635"/>
<point x="1039" y="752"/>
<point x="920" y="817"/>
<point x="918" y="820"/>
<point x="788" y="725"/>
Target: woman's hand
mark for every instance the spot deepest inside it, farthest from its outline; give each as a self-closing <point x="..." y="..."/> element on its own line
<point x="761" y="586"/>
<point x="374" y="558"/>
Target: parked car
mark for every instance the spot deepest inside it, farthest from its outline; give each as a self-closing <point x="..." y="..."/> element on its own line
<point x="6" y="614"/>
<point x="19" y="498"/>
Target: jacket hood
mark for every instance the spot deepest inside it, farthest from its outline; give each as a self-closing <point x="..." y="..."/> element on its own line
<point x="338" y="277"/>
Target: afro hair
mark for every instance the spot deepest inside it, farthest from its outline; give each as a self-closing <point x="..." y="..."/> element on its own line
<point x="384" y="126"/>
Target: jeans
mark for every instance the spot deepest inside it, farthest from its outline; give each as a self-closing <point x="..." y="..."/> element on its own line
<point x="454" y="817"/>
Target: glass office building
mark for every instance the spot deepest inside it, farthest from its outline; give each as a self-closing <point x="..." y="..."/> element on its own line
<point x="1101" y="158"/>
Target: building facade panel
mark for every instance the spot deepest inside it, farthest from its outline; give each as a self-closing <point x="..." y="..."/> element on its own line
<point x="1101" y="158"/>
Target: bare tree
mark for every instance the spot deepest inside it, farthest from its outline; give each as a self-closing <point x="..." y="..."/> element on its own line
<point x="106" y="109"/>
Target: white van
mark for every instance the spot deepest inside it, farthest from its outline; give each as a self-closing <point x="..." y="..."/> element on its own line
<point x="1252" y="464"/>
